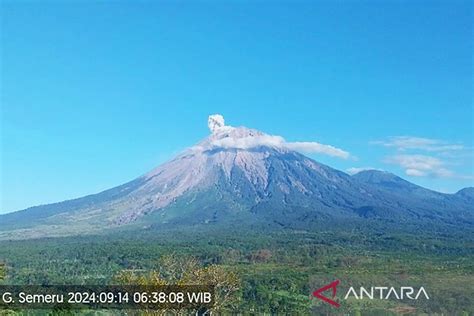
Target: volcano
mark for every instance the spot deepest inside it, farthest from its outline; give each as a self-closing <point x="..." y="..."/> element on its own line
<point x="242" y="176"/>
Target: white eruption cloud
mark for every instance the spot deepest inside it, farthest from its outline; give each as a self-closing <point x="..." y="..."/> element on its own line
<point x="257" y="139"/>
<point x="314" y="147"/>
<point x="249" y="142"/>
<point x="215" y="122"/>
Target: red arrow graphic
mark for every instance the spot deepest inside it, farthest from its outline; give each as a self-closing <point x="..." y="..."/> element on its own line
<point x="333" y="286"/>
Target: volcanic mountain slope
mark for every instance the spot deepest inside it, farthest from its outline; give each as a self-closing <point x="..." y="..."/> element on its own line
<point x="417" y="197"/>
<point x="240" y="175"/>
<point x="467" y="194"/>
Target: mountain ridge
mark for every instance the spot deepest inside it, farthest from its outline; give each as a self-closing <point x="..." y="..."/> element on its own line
<point x="244" y="175"/>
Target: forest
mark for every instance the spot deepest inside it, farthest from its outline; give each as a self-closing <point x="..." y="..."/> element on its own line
<point x="263" y="271"/>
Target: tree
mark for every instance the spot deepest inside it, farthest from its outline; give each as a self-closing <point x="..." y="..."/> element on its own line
<point x="182" y="271"/>
<point x="262" y="255"/>
<point x="225" y="284"/>
<point x="2" y="271"/>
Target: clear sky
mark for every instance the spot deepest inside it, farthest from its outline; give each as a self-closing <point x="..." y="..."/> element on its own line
<point x="96" y="93"/>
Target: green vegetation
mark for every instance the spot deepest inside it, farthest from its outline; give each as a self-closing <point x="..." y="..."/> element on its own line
<point x="268" y="271"/>
<point x="2" y="271"/>
<point x="181" y="270"/>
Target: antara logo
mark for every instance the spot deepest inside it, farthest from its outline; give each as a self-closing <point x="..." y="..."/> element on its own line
<point x="333" y="286"/>
<point x="385" y="293"/>
<point x="374" y="292"/>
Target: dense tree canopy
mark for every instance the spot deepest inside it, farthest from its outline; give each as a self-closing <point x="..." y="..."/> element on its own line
<point x="2" y="271"/>
<point x="186" y="270"/>
<point x="262" y="272"/>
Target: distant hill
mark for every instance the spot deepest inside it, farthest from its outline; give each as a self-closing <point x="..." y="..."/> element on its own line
<point x="466" y="194"/>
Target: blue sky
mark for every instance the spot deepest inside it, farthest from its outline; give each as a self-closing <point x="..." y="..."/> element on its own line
<point x="95" y="94"/>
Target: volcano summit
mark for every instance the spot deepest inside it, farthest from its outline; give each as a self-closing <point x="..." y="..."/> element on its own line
<point x="243" y="176"/>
